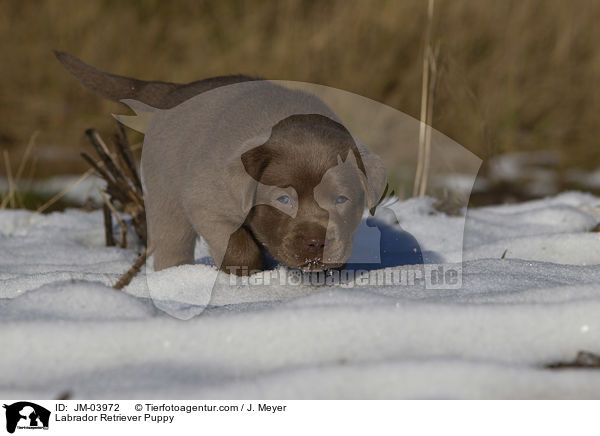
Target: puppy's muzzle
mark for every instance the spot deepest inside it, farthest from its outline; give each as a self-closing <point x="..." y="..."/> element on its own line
<point x="311" y="246"/>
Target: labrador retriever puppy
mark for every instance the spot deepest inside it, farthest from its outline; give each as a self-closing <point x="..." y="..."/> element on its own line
<point x="254" y="168"/>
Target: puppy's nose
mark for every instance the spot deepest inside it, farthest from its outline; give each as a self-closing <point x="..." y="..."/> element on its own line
<point x="314" y="243"/>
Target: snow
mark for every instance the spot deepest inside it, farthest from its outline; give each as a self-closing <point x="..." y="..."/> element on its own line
<point x="530" y="296"/>
<point x="589" y="180"/>
<point x="534" y="170"/>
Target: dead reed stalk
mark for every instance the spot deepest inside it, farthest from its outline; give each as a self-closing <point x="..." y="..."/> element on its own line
<point x="427" y="90"/>
<point x="10" y="197"/>
<point x="123" y="190"/>
<point x="123" y="193"/>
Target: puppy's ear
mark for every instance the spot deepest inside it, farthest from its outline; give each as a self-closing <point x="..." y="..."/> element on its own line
<point x="256" y="160"/>
<point x="376" y="177"/>
<point x="142" y="117"/>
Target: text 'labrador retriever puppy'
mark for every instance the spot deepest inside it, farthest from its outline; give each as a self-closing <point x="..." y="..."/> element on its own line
<point x="250" y="166"/>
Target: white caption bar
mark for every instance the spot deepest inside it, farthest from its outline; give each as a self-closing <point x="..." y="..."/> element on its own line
<point x="76" y="417"/>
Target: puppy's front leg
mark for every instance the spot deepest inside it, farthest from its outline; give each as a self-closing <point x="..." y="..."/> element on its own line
<point x="243" y="254"/>
<point x="171" y="236"/>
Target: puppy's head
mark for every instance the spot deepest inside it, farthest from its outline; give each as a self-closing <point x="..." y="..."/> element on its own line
<point x="313" y="187"/>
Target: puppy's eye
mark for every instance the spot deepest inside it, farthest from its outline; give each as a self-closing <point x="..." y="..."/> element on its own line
<point x="341" y="199"/>
<point x="284" y="199"/>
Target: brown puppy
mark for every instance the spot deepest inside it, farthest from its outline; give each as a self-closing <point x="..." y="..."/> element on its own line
<point x="248" y="165"/>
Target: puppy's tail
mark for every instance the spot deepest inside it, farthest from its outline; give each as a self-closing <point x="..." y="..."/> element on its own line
<point x="115" y="87"/>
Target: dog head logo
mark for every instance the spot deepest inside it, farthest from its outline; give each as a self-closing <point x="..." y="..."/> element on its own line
<point x="26" y="415"/>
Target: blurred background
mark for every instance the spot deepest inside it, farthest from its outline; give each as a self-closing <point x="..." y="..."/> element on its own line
<point x="517" y="82"/>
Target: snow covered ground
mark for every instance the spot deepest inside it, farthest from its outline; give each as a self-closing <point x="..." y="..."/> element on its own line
<point x="530" y="296"/>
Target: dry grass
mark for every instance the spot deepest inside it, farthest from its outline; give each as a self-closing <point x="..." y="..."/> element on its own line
<point x="13" y="198"/>
<point x="511" y="75"/>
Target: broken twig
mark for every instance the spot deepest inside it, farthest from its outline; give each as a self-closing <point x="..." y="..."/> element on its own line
<point x="132" y="272"/>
